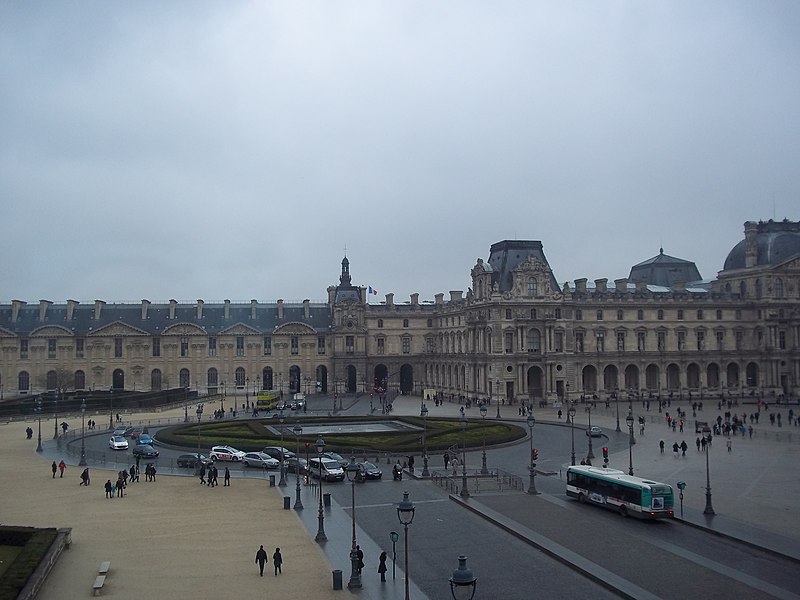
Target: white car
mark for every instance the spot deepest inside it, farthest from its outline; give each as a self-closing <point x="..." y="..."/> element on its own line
<point x="117" y="442"/>
<point x="594" y="432"/>
<point x="259" y="459"/>
<point x="226" y="453"/>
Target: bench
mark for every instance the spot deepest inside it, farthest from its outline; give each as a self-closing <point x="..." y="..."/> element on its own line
<point x="98" y="584"/>
<point x="104" y="567"/>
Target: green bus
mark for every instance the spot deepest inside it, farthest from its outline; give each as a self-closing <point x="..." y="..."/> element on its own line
<point x="626" y="494"/>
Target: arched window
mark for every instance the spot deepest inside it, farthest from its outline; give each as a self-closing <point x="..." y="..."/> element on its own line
<point x="52" y="380"/>
<point x="155" y="380"/>
<point x="185" y="378"/>
<point x="80" y="380"/>
<point x="24" y="383"/>
<point x="240" y="376"/>
<point x="533" y="313"/>
<point x="212" y="377"/>
<point x="743" y="289"/>
<point x="533" y="286"/>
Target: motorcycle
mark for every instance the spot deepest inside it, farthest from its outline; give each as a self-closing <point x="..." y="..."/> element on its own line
<point x="397" y="473"/>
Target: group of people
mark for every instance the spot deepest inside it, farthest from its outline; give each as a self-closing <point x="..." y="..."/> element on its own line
<point x="209" y="477"/>
<point x="261" y="560"/>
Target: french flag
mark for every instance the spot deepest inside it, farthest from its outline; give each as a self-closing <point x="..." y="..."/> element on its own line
<point x="372" y="291"/>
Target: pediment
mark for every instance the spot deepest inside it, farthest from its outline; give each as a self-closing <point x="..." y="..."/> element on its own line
<point x="239" y="329"/>
<point x="790" y="264"/>
<point x="184" y="329"/>
<point x="51" y="331"/>
<point x="295" y="328"/>
<point x="117" y="329"/>
<point x="7" y="333"/>
<point x="532" y="265"/>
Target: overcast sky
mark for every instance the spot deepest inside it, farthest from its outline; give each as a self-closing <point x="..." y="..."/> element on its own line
<point x="234" y="150"/>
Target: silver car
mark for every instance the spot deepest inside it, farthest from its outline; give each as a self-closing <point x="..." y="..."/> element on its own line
<point x="259" y="459"/>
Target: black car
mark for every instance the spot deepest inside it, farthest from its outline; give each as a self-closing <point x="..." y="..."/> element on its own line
<point x="292" y="465"/>
<point x="275" y="452"/>
<point x="369" y="471"/>
<point x="145" y="451"/>
<point x="190" y="460"/>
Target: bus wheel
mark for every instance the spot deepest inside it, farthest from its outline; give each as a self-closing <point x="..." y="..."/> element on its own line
<point x="581" y="498"/>
<point x="623" y="510"/>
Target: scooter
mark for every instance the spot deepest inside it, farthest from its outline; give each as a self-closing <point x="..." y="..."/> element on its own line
<point x="397" y="473"/>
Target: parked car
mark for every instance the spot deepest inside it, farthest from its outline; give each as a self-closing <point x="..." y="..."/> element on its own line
<point x="190" y="460"/>
<point x="145" y="438"/>
<point x="275" y="452"/>
<point x="369" y="471"/>
<point x="226" y="453"/>
<point x="343" y="462"/>
<point x="117" y="442"/>
<point x="145" y="451"/>
<point x="260" y="459"/>
<point x="326" y="469"/>
<point x="594" y="431"/>
<point x="293" y="463"/>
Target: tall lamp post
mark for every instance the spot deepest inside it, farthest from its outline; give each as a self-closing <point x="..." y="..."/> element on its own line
<point x="463" y="582"/>
<point x="282" y="482"/>
<point x="532" y="484"/>
<point x="709" y="510"/>
<point x="497" y="387"/>
<point x="629" y="421"/>
<point x="55" y="410"/>
<point x="298" y="431"/>
<point x="111" y="407"/>
<point x="186" y="404"/>
<point x="352" y="471"/>
<point x="38" y="410"/>
<point x="590" y="455"/>
<point x="320" y="537"/>
<point x="82" y="462"/>
<point x="424" y="413"/>
<point x="464" y="491"/>
<point x="616" y="401"/>
<point x="571" y="413"/>
<point x="405" y="513"/>
<point x="484" y="470"/>
<point x="198" y="462"/>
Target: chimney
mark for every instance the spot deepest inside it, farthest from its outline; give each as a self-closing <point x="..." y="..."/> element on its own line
<point x="621" y="284"/>
<point x="15" y="306"/>
<point x="679" y="286"/>
<point x="641" y="285"/>
<point x="455" y="295"/>
<point x="98" y="307"/>
<point x="750" y="244"/>
<point x="145" y="307"/>
<point x="227" y="313"/>
<point x="307" y="308"/>
<point x="253" y="304"/>
<point x="199" y="309"/>
<point x="389" y="299"/>
<point x="172" y="304"/>
<point x="439" y="299"/>
<point x="43" y="305"/>
<point x="414" y="299"/>
<point x="580" y="285"/>
<point x="601" y="284"/>
<point x="71" y="304"/>
<point x="280" y="308"/>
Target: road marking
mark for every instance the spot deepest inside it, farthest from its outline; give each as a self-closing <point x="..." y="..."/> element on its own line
<point x="385" y="504"/>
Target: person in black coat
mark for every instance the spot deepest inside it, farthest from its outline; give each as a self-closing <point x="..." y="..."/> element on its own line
<point x="261" y="559"/>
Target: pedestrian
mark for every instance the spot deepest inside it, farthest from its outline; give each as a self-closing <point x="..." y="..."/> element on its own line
<point x="85" y="477"/>
<point x="120" y="487"/>
<point x="277" y="560"/>
<point x="675" y="449"/>
<point x="152" y="472"/>
<point x="728" y="444"/>
<point x="684" y="447"/>
<point x="261" y="559"/>
<point x="661" y="446"/>
<point x="62" y="466"/>
<point x="360" y="554"/>
<point x="382" y="566"/>
<point x="446" y="460"/>
<point x="228" y="480"/>
<point x="202" y="473"/>
<point x="134" y="474"/>
<point x="54" y="467"/>
<point x="750" y="431"/>
<point x="109" y="489"/>
<point x="411" y="464"/>
<point x="697" y="443"/>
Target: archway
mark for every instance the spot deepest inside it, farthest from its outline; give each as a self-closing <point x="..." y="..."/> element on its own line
<point x="322" y="379"/>
<point x="751" y="373"/>
<point x="406" y="379"/>
<point x="294" y="379"/>
<point x="118" y="379"/>
<point x="380" y="377"/>
<point x="732" y="375"/>
<point x="610" y="379"/>
<point x="652" y="376"/>
<point x="673" y="377"/>
<point x="589" y="379"/>
<point x="632" y="377"/>
<point x="351" y="379"/>
<point x="693" y="376"/>
<point x="534" y="380"/>
<point x="712" y="376"/>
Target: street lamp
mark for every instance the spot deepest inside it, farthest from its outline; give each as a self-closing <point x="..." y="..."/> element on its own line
<point x="532" y="485"/>
<point x="320" y="537"/>
<point x="298" y="431"/>
<point x="497" y="387"/>
<point x="352" y="471"/>
<point x="405" y="513"/>
<point x="590" y="455"/>
<point x="424" y="413"/>
<point x="709" y="510"/>
<point x="616" y="401"/>
<point x="82" y="462"/>
<point x="282" y="482"/>
<point x="185" y="404"/>
<point x="111" y="407"/>
<point x="198" y="462"/>
<point x="571" y="413"/>
<point x="484" y="470"/>
<point x="464" y="490"/>
<point x="629" y="421"/>
<point x="38" y="410"/>
<point x="463" y="582"/>
<point x="55" y="409"/>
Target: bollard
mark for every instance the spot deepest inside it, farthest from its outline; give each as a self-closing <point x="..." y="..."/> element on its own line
<point x="272" y="481"/>
<point x="287" y="501"/>
<point x="326" y="499"/>
<point x="337" y="579"/>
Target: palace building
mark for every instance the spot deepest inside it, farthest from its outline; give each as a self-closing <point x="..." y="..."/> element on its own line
<point x="516" y="334"/>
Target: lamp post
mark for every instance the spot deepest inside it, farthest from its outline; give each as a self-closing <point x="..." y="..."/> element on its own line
<point x="484" y="470"/>
<point x="198" y="462"/>
<point x="352" y="471"/>
<point x="282" y="482"/>
<point x="111" y="408"/>
<point x="463" y="582"/>
<point x="497" y="386"/>
<point x="82" y="462"/>
<point x="185" y="404"/>
<point x="571" y="413"/>
<point x="532" y="485"/>
<point x="424" y="413"/>
<point x="590" y="455"/>
<point x="709" y="510"/>
<point x="298" y="503"/>
<point x="464" y="491"/>
<point x="629" y="421"/>
<point x="405" y="513"/>
<point x="320" y="537"/>
<point x="616" y="401"/>
<point x="55" y="417"/>
<point x="38" y="410"/>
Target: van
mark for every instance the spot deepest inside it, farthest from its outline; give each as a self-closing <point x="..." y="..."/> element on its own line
<point x="330" y="469"/>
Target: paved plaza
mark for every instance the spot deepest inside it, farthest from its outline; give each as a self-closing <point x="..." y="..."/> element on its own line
<point x="174" y="538"/>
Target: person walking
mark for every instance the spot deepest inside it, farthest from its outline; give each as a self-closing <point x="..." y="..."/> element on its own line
<point x="382" y="566"/>
<point x="411" y="464"/>
<point x="228" y="482"/>
<point x="62" y="466"/>
<point x="202" y="473"/>
<point x="697" y="443"/>
<point x="277" y="560"/>
<point x="728" y="444"/>
<point x="54" y="467"/>
<point x="661" y="446"/>
<point x="261" y="559"/>
<point x="675" y="449"/>
<point x="684" y="447"/>
<point x="360" y="555"/>
<point x="109" y="489"/>
<point x="85" y="477"/>
<point x="446" y="460"/>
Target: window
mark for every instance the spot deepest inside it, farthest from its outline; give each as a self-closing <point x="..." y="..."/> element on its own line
<point x="779" y="287"/>
<point x="599" y="315"/>
<point x="405" y="323"/>
<point x="118" y="347"/>
<point x="430" y="345"/>
<point x="80" y="380"/>
<point x="509" y="343"/>
<point x="24" y="383"/>
<point x="620" y="315"/>
<point x="239" y="346"/>
<point x="184" y="348"/>
<point x="640" y="341"/>
<point x="533" y="287"/>
<point x="660" y="314"/>
<point x="719" y="315"/>
<point x="239" y="376"/>
<point x="601" y="341"/>
<point x="578" y="341"/>
<point x="579" y="315"/>
<point x="267" y="345"/>
<point x="680" y="314"/>
<point x="320" y="344"/>
<point x="782" y="340"/>
<point x="380" y="323"/>
<point x="701" y="340"/>
<point x="80" y="345"/>
<point x="51" y="348"/>
<point x="212" y="346"/>
<point x="743" y="289"/>
<point x="212" y="378"/>
<point x="720" y="335"/>
<point x="759" y="288"/>
<point x="157" y="351"/>
<point x="294" y="344"/>
<point x="620" y="341"/>
<point x="430" y="322"/>
<point x="23" y="352"/>
<point x="406" y="345"/>
<point x="349" y="344"/>
<point x="738" y="315"/>
<point x="558" y="313"/>
<point x="559" y="341"/>
<point x="700" y="314"/>
<point x="739" y="340"/>
<point x="508" y="313"/>
<point x="381" y="346"/>
<point x="155" y="380"/>
<point x="640" y="315"/>
<point x="681" y="341"/>
<point x="662" y="341"/>
<point x="184" y="377"/>
<point x="533" y="313"/>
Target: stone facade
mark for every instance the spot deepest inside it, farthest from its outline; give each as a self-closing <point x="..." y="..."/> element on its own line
<point x="515" y="335"/>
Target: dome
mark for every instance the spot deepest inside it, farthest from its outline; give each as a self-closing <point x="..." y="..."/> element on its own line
<point x="772" y="242"/>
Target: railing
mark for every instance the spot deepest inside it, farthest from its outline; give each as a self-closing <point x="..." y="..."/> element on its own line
<point x="497" y="480"/>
